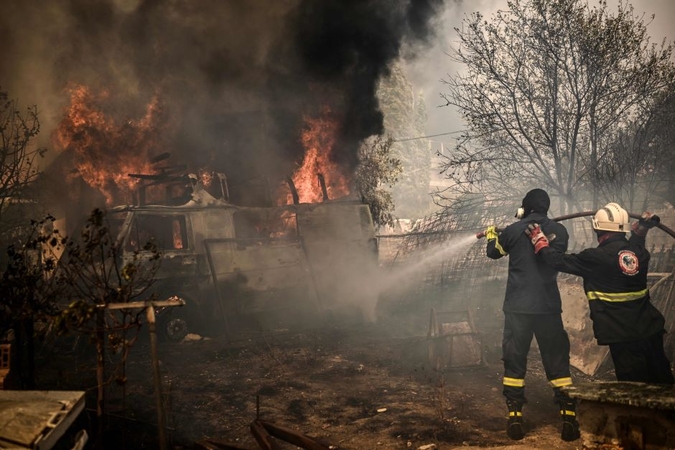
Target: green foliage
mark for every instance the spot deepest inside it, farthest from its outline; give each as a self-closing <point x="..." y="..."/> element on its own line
<point x="376" y="169"/>
<point x="405" y="117"/>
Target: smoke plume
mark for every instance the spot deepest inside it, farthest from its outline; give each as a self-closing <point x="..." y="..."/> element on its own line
<point x="235" y="78"/>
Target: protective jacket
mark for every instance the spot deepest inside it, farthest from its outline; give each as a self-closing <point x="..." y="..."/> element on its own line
<point x="532" y="286"/>
<point x="615" y="281"/>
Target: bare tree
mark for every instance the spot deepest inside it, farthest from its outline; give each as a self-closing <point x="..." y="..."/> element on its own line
<point x="623" y="173"/>
<point x="662" y="143"/>
<point x="18" y="159"/>
<point x="545" y="82"/>
<point x="625" y="75"/>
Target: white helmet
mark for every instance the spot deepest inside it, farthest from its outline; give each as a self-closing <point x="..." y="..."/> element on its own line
<point x="611" y="217"/>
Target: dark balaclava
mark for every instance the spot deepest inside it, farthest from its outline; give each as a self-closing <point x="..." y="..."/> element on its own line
<point x="537" y="200"/>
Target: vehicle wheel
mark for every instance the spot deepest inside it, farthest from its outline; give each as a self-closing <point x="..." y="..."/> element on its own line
<point x="174" y="327"/>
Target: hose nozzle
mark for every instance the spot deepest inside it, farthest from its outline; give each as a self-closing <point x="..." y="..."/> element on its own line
<point x="481" y="234"/>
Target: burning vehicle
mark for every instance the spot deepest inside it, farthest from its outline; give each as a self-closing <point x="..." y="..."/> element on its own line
<point x="250" y="268"/>
<point x="284" y="234"/>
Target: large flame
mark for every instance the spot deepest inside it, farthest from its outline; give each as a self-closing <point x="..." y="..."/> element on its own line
<point x="318" y="140"/>
<point x="106" y="150"/>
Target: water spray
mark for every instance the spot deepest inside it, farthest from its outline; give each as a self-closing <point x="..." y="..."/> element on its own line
<point x="481" y="234"/>
<point x="444" y="251"/>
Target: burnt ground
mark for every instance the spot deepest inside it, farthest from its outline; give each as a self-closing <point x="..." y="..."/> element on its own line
<point x="363" y="386"/>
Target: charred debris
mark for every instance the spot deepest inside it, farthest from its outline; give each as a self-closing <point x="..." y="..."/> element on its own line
<point x="244" y="268"/>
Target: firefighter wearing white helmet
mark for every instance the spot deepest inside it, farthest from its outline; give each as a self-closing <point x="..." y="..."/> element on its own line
<point x="611" y="217"/>
<point x="615" y="282"/>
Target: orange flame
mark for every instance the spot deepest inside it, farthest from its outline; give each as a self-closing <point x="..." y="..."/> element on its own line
<point x="206" y="177"/>
<point x="106" y="151"/>
<point x="177" y="234"/>
<point x="318" y="139"/>
<point x="288" y="226"/>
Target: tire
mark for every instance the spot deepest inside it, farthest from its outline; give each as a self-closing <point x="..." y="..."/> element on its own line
<point x="174" y="326"/>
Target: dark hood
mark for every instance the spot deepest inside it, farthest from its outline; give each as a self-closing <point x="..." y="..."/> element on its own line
<point x="537" y="200"/>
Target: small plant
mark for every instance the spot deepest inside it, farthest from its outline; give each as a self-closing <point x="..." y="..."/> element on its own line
<point x="91" y="276"/>
<point x="28" y="294"/>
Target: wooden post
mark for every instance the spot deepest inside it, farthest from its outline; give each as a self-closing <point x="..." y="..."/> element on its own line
<point x="294" y="191"/>
<point x="322" y="183"/>
<point x="100" y="373"/>
<point x="156" y="377"/>
<point x="100" y="362"/>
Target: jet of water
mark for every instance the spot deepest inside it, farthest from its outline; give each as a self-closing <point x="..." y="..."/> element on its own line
<point x="425" y="259"/>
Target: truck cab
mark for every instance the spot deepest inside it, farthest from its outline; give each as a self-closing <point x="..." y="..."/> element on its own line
<point x="243" y="269"/>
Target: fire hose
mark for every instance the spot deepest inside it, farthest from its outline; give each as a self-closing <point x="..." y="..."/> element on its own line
<point x="481" y="234"/>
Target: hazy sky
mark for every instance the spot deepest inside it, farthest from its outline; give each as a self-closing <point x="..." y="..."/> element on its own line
<point x="426" y="72"/>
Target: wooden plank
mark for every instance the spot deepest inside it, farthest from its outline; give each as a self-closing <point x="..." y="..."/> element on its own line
<point x="29" y="417"/>
<point x="262" y="437"/>
<point x="214" y="444"/>
<point x="175" y="301"/>
<point x="625" y="414"/>
<point x="631" y="393"/>
<point x="292" y="437"/>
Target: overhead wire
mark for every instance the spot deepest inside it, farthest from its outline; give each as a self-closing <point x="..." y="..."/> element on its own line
<point x="426" y="137"/>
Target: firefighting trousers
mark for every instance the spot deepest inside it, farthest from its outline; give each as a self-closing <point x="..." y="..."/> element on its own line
<point x="554" y="347"/>
<point x="644" y="360"/>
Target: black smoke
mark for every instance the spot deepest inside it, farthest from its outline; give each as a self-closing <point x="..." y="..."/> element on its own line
<point x="236" y="77"/>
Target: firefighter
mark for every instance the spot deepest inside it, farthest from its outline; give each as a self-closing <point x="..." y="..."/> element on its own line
<point x="615" y="281"/>
<point x="532" y="307"/>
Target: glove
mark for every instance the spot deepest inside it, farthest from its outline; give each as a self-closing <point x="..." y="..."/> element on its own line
<point x="537" y="237"/>
<point x="649" y="220"/>
<point x="646" y="222"/>
<point x="491" y="233"/>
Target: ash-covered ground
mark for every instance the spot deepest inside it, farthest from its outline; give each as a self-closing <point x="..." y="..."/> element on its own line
<point x="359" y="387"/>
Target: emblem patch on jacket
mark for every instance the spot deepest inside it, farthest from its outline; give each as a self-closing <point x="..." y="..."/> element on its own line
<point x="628" y="262"/>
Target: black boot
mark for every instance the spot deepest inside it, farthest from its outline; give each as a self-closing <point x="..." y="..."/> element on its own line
<point x="514" y="427"/>
<point x="570" y="426"/>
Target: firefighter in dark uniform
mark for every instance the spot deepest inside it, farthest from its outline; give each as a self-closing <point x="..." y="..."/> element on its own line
<point x="615" y="282"/>
<point x="532" y="307"/>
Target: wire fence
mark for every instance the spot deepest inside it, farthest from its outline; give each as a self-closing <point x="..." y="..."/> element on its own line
<point x="440" y="264"/>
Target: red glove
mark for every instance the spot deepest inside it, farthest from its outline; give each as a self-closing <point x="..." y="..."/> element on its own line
<point x="537" y="237"/>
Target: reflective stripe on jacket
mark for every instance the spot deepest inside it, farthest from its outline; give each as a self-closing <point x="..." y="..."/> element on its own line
<point x="615" y="282"/>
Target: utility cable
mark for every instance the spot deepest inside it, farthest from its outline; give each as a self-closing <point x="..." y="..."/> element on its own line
<point x="426" y="137"/>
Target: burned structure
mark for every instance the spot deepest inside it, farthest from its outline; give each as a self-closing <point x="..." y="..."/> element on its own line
<point x="246" y="268"/>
